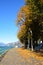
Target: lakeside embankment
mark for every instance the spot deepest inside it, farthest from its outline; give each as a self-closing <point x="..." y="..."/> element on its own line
<point x="21" y="56"/>
<point x="2" y="55"/>
<point x="3" y="50"/>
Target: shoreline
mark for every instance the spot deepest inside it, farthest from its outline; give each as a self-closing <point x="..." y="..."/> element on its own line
<point x="2" y="56"/>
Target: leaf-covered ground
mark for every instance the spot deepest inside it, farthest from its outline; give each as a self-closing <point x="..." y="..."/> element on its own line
<point x="33" y="55"/>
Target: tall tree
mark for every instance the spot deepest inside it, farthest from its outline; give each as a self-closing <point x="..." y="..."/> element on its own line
<point x="31" y="15"/>
<point x="23" y="19"/>
<point x="22" y="35"/>
<point x="36" y="7"/>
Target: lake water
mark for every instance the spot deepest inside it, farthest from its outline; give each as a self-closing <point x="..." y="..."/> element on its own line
<point x="3" y="49"/>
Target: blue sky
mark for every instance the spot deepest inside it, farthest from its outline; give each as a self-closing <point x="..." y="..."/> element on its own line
<point x="8" y="16"/>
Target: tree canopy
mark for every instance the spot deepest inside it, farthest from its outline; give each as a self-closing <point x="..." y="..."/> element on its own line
<point x="30" y="18"/>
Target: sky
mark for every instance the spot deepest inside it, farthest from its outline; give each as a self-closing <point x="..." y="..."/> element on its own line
<point x="8" y="16"/>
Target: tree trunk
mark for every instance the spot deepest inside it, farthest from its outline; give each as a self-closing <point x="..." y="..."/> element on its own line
<point x="34" y="44"/>
<point x="42" y="41"/>
<point x="30" y="44"/>
<point x="26" y="43"/>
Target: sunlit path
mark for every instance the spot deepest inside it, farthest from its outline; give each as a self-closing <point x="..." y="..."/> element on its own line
<point x="13" y="57"/>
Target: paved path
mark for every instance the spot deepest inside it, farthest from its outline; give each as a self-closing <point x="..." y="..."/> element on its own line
<point x="13" y="57"/>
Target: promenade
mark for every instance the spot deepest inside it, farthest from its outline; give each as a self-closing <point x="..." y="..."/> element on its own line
<point x="21" y="57"/>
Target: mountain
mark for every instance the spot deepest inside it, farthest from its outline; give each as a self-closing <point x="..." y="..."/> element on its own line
<point x="2" y="44"/>
<point x="10" y="44"/>
<point x="18" y="44"/>
<point x="15" y="44"/>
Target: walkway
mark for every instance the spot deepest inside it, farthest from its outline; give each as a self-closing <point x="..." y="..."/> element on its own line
<point x="13" y="57"/>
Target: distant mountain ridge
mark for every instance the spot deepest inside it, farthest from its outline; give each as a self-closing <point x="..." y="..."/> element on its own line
<point x="2" y="44"/>
<point x="12" y="44"/>
<point x="15" y="44"/>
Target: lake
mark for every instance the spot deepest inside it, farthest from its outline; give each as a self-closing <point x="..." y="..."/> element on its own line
<point x="3" y="49"/>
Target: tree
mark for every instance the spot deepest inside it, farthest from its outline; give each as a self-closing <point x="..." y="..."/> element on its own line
<point x="23" y="19"/>
<point x="22" y="35"/>
<point x="36" y="7"/>
<point x="31" y="15"/>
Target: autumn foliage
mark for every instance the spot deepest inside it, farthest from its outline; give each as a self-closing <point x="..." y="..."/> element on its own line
<point x="30" y="22"/>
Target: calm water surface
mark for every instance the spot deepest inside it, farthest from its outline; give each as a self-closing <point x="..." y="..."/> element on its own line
<point x="3" y="49"/>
